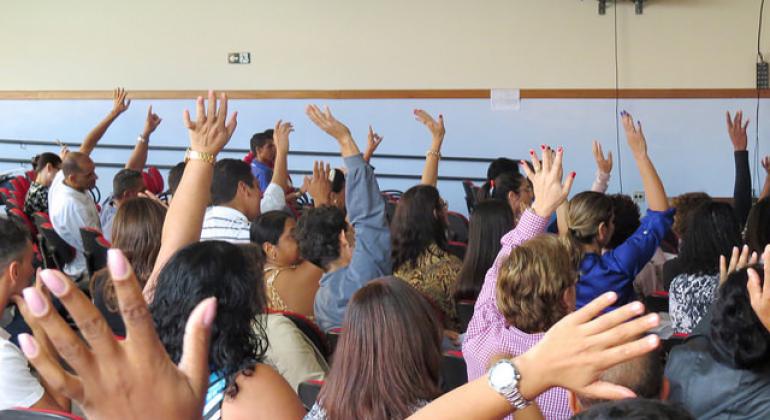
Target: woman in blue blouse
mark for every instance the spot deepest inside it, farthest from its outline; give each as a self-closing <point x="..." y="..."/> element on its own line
<point x="591" y="224"/>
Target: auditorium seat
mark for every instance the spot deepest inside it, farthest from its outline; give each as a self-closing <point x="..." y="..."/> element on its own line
<point x="656" y="302"/>
<point x="454" y="372"/>
<point x="308" y="392"/>
<point x="457" y="227"/>
<point x="309" y="328"/>
<point x="20" y="217"/>
<point x="332" y="337"/>
<point x="457" y="249"/>
<point x="95" y="247"/>
<point x="60" y="251"/>
<point x="465" y="312"/>
<point x="471" y="195"/>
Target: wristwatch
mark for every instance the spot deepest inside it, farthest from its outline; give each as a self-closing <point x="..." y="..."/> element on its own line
<point x="195" y="155"/>
<point x="504" y="378"/>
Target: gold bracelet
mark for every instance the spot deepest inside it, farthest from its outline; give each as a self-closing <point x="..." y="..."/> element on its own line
<point x="432" y="153"/>
<point x="203" y="156"/>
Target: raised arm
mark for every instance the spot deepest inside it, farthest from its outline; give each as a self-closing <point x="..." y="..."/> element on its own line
<point x="208" y="136"/>
<point x="603" y="168"/>
<point x="281" y="141"/>
<point x="326" y="122"/>
<point x="433" y="156"/>
<point x="573" y="354"/>
<point x="766" y="188"/>
<point x="119" y="105"/>
<point x="653" y="187"/>
<point x="742" y="188"/>
<point x="138" y="158"/>
<point x="373" y="141"/>
<point x="319" y="185"/>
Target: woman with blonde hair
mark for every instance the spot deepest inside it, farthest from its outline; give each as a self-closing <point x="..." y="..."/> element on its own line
<point x="590" y="223"/>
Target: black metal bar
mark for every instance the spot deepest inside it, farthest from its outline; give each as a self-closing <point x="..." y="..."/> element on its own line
<point x="292" y="172"/>
<point x="244" y="151"/>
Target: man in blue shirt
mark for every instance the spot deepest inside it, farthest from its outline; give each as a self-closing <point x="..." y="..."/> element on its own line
<point x="263" y="149"/>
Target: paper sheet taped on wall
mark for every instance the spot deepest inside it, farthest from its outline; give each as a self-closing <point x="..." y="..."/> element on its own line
<point x="505" y="99"/>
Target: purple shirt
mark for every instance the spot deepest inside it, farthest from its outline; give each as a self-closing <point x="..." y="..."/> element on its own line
<point x="488" y="335"/>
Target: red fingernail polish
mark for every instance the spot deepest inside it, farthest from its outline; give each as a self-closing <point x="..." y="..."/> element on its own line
<point x="559" y="149"/>
<point x="573" y="174"/>
<point x="542" y="146"/>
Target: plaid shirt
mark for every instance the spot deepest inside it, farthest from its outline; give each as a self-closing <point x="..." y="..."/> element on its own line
<point x="488" y="335"/>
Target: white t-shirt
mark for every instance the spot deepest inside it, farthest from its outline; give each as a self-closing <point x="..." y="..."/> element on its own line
<point x="69" y="210"/>
<point x="223" y="223"/>
<point x="18" y="387"/>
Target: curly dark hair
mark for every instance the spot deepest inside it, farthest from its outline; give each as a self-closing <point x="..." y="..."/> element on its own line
<point x="417" y="223"/>
<point x="712" y="230"/>
<point x="635" y="409"/>
<point x="233" y="274"/>
<point x="627" y="219"/>
<point x="318" y="233"/>
<point x="737" y="334"/>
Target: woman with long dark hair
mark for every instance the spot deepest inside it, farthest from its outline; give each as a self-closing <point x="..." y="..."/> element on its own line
<point x="490" y="220"/>
<point x="419" y="253"/>
<point x="712" y="231"/>
<point x="46" y="165"/>
<point x="388" y="358"/>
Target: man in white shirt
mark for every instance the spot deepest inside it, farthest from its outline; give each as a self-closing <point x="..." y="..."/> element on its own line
<point x="235" y="194"/>
<point x="70" y="205"/>
<point x="18" y="386"/>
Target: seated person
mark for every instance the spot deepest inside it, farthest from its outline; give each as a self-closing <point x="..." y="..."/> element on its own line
<point x="174" y="176"/>
<point x="642" y="375"/>
<point x="723" y="369"/>
<point x="236" y="196"/>
<point x="126" y="184"/>
<point x="263" y="150"/>
<point x="290" y="281"/>
<point x="349" y="260"/>
<point x="46" y="166"/>
<point x="18" y="386"/>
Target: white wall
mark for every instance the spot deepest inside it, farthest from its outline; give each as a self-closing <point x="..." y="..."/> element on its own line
<point x="370" y="44"/>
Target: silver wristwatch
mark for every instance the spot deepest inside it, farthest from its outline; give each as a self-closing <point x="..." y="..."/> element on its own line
<point x="504" y="378"/>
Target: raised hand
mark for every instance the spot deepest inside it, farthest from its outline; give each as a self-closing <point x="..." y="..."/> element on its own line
<point x="547" y="181"/>
<point x="738" y="261"/>
<point x="737" y="131"/>
<point x="436" y="128"/>
<point x="319" y="186"/>
<point x="209" y="133"/>
<point x="119" y="102"/>
<point x="604" y="165"/>
<point x="373" y="141"/>
<point x="326" y="122"/>
<point x="634" y="135"/>
<point x="759" y="295"/>
<point x="576" y="350"/>
<point x="766" y="164"/>
<point x="281" y="136"/>
<point x="133" y="378"/>
<point x="151" y="123"/>
<point x="63" y="149"/>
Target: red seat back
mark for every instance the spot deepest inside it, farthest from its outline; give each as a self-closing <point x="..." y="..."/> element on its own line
<point x="156" y="179"/>
<point x="22" y="218"/>
<point x="457" y="249"/>
<point x="454" y="372"/>
<point x="308" y="392"/>
<point x="457" y="225"/>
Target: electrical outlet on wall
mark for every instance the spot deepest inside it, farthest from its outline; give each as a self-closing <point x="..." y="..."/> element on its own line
<point x="638" y="198"/>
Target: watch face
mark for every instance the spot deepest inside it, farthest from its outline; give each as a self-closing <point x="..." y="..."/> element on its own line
<point x="502" y="375"/>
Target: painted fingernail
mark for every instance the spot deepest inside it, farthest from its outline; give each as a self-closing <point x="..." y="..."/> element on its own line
<point x="653" y="339"/>
<point x="573" y="174"/>
<point x="210" y="313"/>
<point x="531" y="151"/>
<point x="28" y="345"/>
<point x="53" y="282"/>
<point x="37" y="305"/>
<point x="652" y="319"/>
<point x="610" y="297"/>
<point x="637" y="307"/>
<point x="542" y="146"/>
<point x="117" y="264"/>
<point x="560" y="149"/>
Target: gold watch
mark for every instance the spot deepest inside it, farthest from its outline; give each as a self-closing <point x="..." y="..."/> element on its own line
<point x="195" y="155"/>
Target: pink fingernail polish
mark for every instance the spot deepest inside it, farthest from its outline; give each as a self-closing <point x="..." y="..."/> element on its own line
<point x="117" y="264"/>
<point x="37" y="305"/>
<point x="28" y="345"/>
<point x="53" y="282"/>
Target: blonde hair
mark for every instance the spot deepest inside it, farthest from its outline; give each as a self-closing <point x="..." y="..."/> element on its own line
<point x="533" y="280"/>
